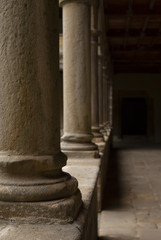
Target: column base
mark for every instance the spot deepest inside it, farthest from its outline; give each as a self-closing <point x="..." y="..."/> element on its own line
<point x="80" y="150"/>
<point x="97" y="136"/>
<point x="105" y="130"/>
<point x="57" y="211"/>
<point x="35" y="178"/>
<point x="34" y="188"/>
<point x="101" y="147"/>
<point x="79" y="145"/>
<point x="24" y="190"/>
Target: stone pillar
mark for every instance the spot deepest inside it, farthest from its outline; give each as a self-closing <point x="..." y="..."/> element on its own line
<point x="111" y="102"/>
<point x="100" y="89"/>
<point x="105" y="102"/>
<point x="105" y="93"/>
<point x="77" y="85"/>
<point x="61" y="77"/>
<point x="100" y="63"/>
<point x="107" y="124"/>
<point x="94" y="79"/>
<point x="31" y="179"/>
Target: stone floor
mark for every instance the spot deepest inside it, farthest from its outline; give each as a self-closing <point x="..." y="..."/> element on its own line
<point x="132" y="203"/>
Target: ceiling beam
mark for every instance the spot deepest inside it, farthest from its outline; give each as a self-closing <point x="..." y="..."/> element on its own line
<point x="143" y="30"/>
<point x="134" y="35"/>
<point x="156" y="47"/>
<point x="151" y="5"/>
<point x="156" y="37"/>
<point x="131" y="32"/>
<point x="137" y="68"/>
<point x="140" y="12"/>
<point x="137" y="62"/>
<point x="129" y="15"/>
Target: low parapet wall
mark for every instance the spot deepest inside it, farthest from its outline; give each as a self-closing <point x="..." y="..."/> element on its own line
<point x="91" y="176"/>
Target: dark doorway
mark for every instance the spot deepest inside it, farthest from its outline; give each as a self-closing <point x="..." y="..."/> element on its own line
<point x="134" y="116"/>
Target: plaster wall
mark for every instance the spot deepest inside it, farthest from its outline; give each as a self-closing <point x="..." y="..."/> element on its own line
<point x="139" y="85"/>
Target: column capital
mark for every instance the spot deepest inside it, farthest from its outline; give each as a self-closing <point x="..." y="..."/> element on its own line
<point x="63" y="2"/>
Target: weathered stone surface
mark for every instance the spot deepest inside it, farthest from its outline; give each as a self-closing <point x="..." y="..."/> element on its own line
<point x="94" y="75"/>
<point x="30" y="158"/>
<point x="148" y="234"/>
<point x="85" y="225"/>
<point x="77" y="83"/>
<point x="57" y="211"/>
<point x="29" y="60"/>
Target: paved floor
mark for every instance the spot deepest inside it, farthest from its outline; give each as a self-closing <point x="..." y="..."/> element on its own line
<point x="132" y="203"/>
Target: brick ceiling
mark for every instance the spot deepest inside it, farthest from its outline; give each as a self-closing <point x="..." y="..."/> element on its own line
<point x="133" y="29"/>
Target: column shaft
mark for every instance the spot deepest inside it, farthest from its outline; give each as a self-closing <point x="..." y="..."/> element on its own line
<point x="105" y="93"/>
<point x="100" y="87"/>
<point x="77" y="84"/>
<point x="30" y="158"/>
<point x="94" y="83"/>
<point x="110" y="101"/>
<point x="95" y="88"/>
<point x="94" y="74"/>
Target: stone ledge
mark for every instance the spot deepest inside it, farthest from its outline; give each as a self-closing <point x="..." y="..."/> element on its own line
<point x="42" y="212"/>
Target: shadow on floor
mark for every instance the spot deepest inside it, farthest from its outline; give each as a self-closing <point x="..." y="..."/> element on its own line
<point x="129" y="143"/>
<point x="112" y="191"/>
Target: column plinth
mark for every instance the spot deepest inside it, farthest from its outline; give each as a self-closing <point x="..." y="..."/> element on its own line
<point x="22" y="177"/>
<point x="77" y="85"/>
<point x="30" y="158"/>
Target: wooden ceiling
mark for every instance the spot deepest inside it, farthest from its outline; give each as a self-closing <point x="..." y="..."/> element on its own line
<point x="133" y="29"/>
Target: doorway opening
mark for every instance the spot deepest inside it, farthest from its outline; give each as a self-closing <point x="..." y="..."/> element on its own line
<point x="134" y="116"/>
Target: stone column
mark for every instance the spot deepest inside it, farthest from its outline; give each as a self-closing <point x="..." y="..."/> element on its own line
<point x="100" y="89"/>
<point x="31" y="179"/>
<point x="108" y="99"/>
<point x="94" y="79"/>
<point x="105" y="102"/>
<point x="61" y="78"/>
<point x="111" y="102"/>
<point x="105" y="93"/>
<point x="77" y="85"/>
<point x="100" y="63"/>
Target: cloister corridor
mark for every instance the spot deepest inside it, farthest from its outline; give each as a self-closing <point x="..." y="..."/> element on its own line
<point x="132" y="202"/>
<point x="80" y="120"/>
